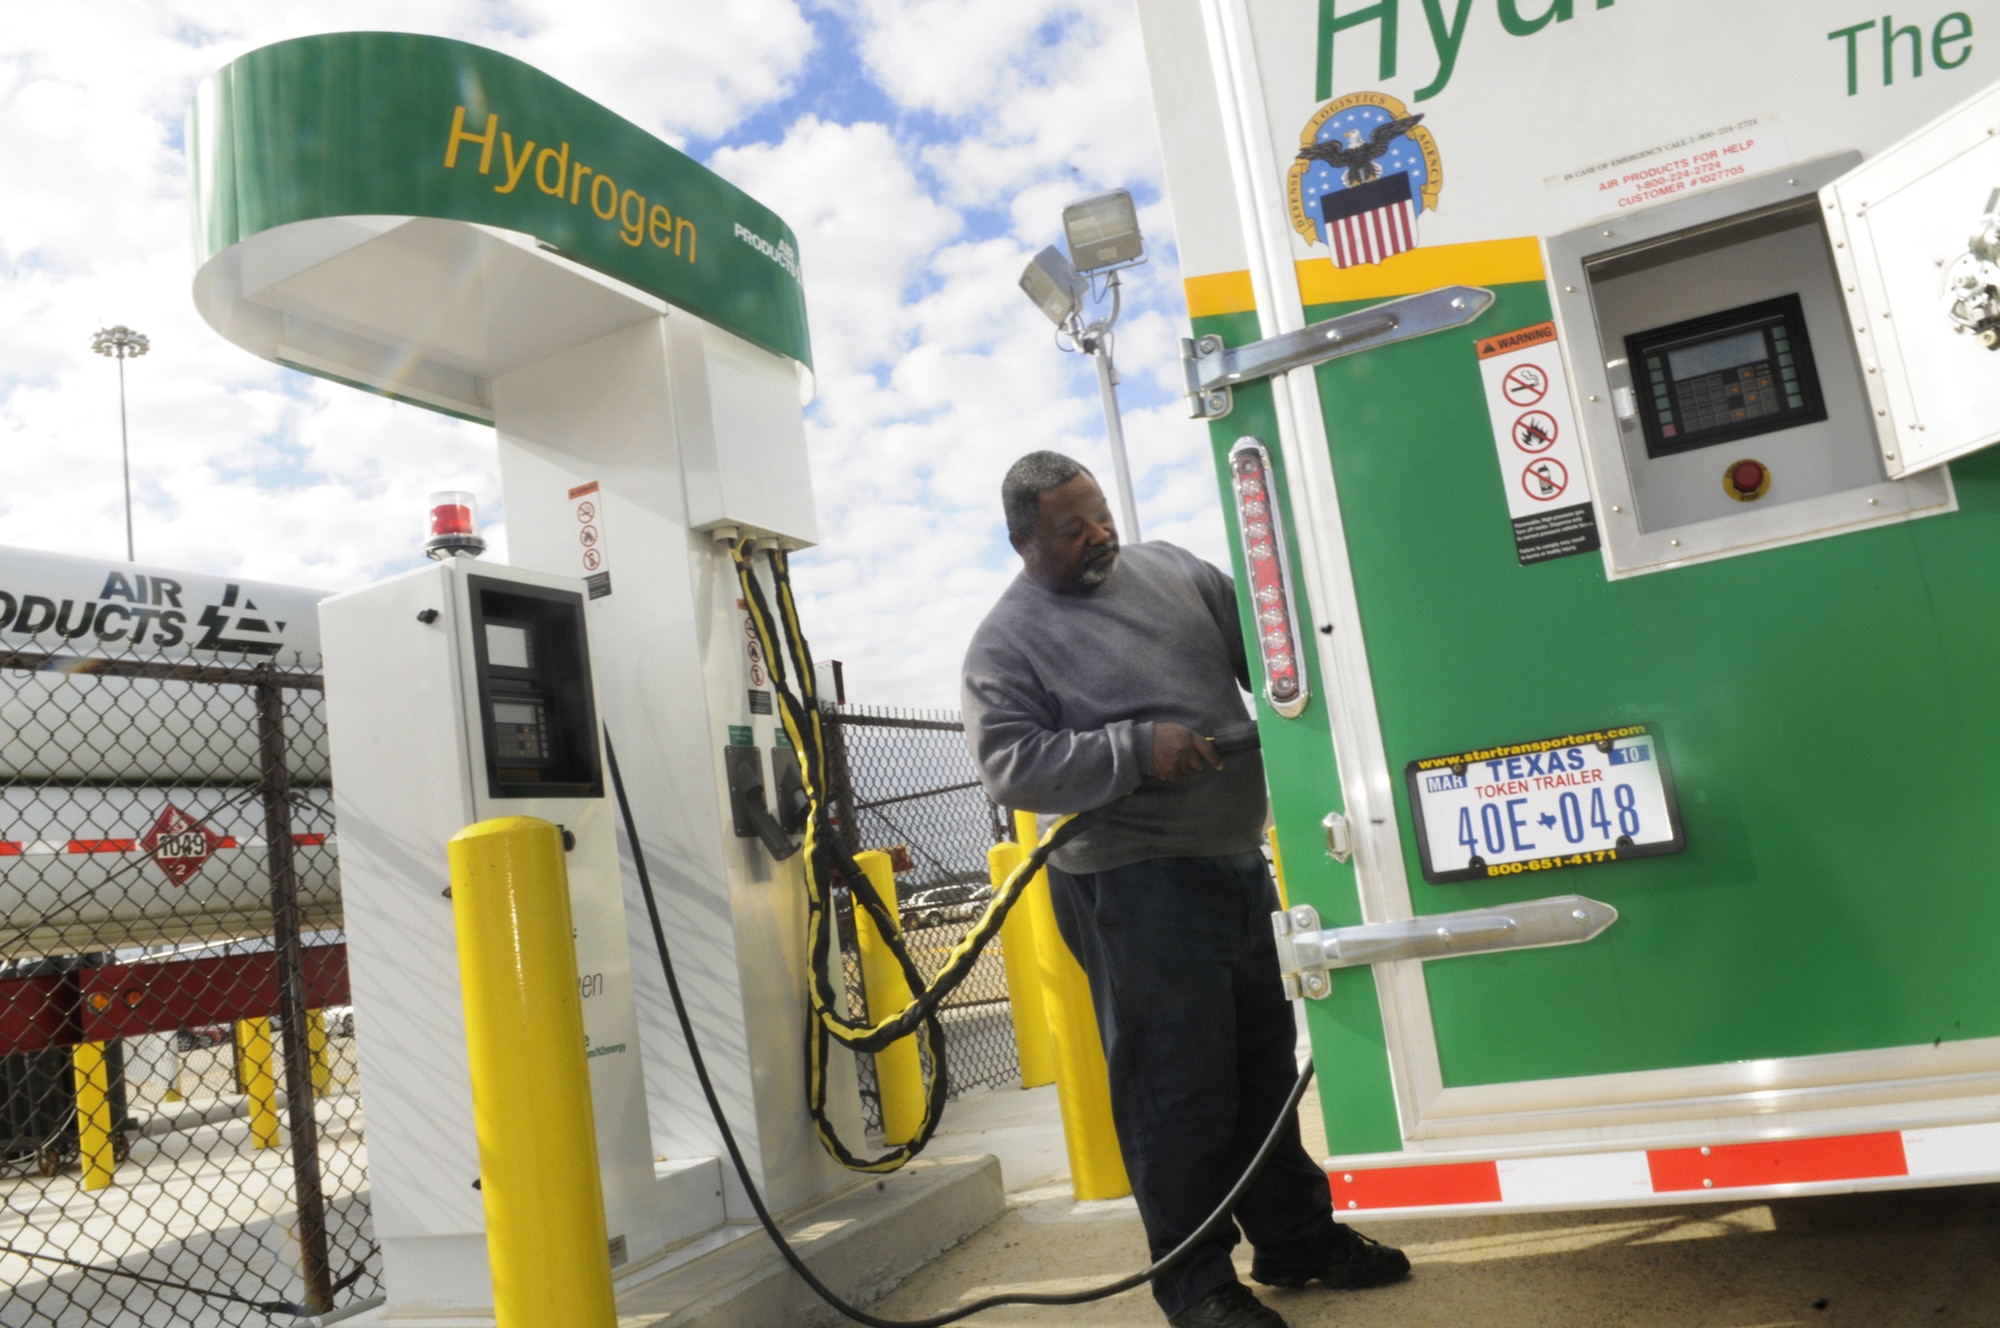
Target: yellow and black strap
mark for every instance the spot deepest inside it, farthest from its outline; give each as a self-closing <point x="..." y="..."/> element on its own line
<point x="826" y="861"/>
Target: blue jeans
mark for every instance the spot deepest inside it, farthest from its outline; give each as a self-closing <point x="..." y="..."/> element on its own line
<point x="1199" y="1040"/>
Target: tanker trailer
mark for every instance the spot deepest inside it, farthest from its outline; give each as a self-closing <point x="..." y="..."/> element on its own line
<point x="131" y="762"/>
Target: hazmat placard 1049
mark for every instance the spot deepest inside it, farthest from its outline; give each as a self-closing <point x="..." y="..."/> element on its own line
<point x="1574" y="801"/>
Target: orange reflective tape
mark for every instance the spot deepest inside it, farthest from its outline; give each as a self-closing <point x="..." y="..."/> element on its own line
<point x="1416" y="1187"/>
<point x="1784" y="1162"/>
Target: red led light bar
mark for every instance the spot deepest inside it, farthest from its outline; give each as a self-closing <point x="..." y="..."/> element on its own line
<point x="1266" y="559"/>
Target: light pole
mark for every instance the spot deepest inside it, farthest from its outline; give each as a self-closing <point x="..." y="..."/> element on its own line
<point x="121" y="343"/>
<point x="1103" y="236"/>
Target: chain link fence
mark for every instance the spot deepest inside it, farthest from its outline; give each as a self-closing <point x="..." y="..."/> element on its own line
<point x="180" y="1112"/>
<point x="903" y="782"/>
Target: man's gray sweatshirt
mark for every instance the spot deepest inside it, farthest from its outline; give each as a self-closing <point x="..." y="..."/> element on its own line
<point x="1061" y="693"/>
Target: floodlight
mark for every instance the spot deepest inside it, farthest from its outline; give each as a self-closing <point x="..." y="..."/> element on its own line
<point x="1103" y="231"/>
<point x="1052" y="284"/>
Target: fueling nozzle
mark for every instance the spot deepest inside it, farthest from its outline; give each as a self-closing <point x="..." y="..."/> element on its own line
<point x="746" y="803"/>
<point x="1236" y="739"/>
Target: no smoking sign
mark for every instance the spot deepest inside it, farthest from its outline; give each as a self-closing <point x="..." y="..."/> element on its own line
<point x="587" y="506"/>
<point x="1541" y="465"/>
<point x="1525" y="384"/>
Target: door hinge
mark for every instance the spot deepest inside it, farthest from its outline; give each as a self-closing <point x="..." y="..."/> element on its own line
<point x="1306" y="954"/>
<point x="1213" y="370"/>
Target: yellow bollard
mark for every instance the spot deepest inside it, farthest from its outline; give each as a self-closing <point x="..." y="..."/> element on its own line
<point x="1024" y="977"/>
<point x="1083" y="1086"/>
<point x="545" y="1233"/>
<point x="899" y="1072"/>
<point x="1278" y="868"/>
<point x="93" y="1114"/>
<point x="260" y="1084"/>
<point x="316" y="1043"/>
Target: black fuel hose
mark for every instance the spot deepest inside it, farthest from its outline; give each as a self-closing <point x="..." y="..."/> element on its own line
<point x="1223" y="1211"/>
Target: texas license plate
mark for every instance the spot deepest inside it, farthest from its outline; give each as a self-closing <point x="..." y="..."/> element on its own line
<point x="1574" y="801"/>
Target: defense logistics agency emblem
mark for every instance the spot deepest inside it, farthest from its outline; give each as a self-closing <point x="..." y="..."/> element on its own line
<point x="1366" y="170"/>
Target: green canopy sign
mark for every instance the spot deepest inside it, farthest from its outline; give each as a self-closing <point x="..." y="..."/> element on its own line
<point x="391" y="124"/>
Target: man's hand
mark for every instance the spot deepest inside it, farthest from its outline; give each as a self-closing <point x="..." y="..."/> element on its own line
<point x="1178" y="750"/>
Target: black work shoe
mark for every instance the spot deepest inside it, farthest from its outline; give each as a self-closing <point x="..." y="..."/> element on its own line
<point x="1228" y="1306"/>
<point x="1353" y="1261"/>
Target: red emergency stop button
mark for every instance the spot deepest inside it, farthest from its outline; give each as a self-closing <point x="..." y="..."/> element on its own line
<point x="1746" y="481"/>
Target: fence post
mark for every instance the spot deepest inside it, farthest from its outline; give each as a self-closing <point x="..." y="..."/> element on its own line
<point x="1024" y="976"/>
<point x="899" y="1073"/>
<point x="307" y="1193"/>
<point x="1083" y="1083"/>
<point x="840" y="783"/>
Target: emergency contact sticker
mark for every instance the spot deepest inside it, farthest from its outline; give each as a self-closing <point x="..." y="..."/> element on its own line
<point x="1575" y="801"/>
<point x="1541" y="461"/>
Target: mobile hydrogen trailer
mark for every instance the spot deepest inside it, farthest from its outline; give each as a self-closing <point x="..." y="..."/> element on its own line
<point x="1664" y="570"/>
<point x="100" y="770"/>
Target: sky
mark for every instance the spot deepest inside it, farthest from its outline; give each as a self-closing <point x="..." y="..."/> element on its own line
<point x="922" y="151"/>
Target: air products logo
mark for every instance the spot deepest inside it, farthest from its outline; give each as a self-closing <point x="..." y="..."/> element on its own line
<point x="141" y="610"/>
<point x="779" y="253"/>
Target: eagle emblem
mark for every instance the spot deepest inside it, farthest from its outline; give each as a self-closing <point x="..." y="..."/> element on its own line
<point x="1366" y="169"/>
<point x="1357" y="157"/>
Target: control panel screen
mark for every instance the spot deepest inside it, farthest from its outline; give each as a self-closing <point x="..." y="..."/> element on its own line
<point x="533" y="663"/>
<point x="520" y="733"/>
<point x="1723" y="377"/>
<point x="509" y="646"/>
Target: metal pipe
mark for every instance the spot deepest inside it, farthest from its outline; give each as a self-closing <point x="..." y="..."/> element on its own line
<point x="125" y="452"/>
<point x="899" y="1073"/>
<point x="259" y="1085"/>
<point x="93" y="1115"/>
<point x="538" y="1168"/>
<point x="1032" y="1047"/>
<point x="1083" y="1083"/>
<point x="1114" y="430"/>
<point x="307" y="1189"/>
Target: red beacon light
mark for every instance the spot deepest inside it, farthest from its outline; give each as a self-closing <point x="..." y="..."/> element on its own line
<point x="1268" y="563"/>
<point x="451" y="526"/>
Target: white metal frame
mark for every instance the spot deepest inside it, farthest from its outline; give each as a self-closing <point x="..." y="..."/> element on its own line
<point x="1627" y="550"/>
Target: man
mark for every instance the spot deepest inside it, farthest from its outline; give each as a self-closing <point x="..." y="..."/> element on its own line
<point x="1088" y="689"/>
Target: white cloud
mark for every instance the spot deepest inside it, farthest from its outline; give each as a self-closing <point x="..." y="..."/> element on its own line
<point x="239" y="465"/>
<point x="934" y="371"/>
<point x="866" y="228"/>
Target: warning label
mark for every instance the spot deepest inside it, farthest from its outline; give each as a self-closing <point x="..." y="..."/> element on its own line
<point x="1555" y="534"/>
<point x="588" y="508"/>
<point x="1541" y="465"/>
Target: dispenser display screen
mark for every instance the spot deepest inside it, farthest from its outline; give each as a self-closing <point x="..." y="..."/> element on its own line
<point x="509" y="647"/>
<point x="1726" y="376"/>
<point x="520" y="732"/>
<point x="533" y="665"/>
